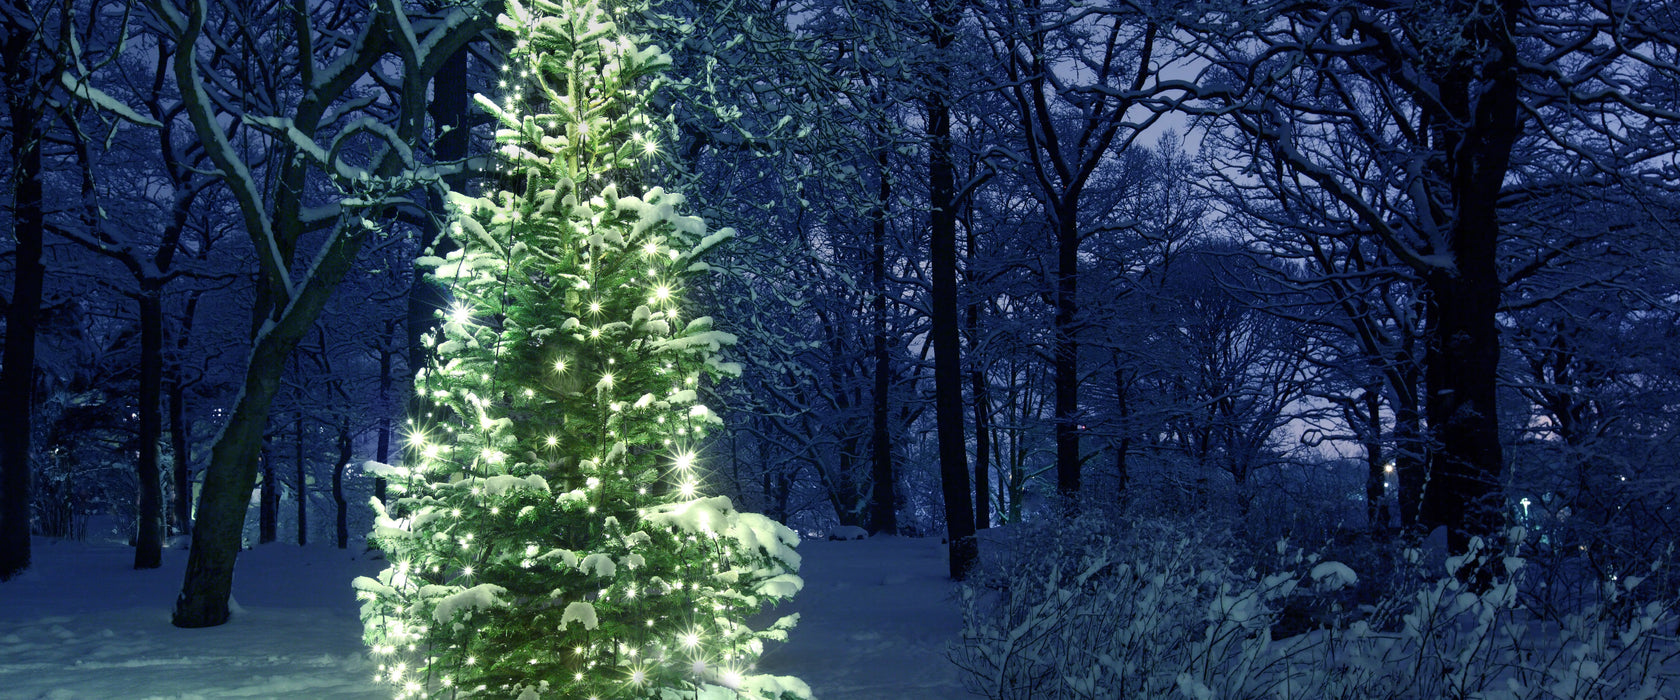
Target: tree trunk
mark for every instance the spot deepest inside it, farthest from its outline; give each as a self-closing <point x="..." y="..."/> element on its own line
<point x="1411" y="466"/>
<point x="448" y="108"/>
<point x="883" y="501"/>
<point x="1461" y="373"/>
<point x="148" y="538"/>
<point x="226" y="493"/>
<point x="302" y="486"/>
<point x="1066" y="355"/>
<point x="382" y="453"/>
<point x="1376" y="479"/>
<point x="17" y="400"/>
<point x="947" y="361"/>
<point x="182" y="507"/>
<point x="1123" y="451"/>
<point x="342" y="524"/>
<point x="268" y="501"/>
<point x="978" y="386"/>
<point x="180" y="433"/>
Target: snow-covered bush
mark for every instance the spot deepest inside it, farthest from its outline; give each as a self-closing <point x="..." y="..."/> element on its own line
<point x="1156" y="610"/>
<point x="1086" y="609"/>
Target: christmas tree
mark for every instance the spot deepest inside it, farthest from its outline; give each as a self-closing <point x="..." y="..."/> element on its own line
<point x="550" y="536"/>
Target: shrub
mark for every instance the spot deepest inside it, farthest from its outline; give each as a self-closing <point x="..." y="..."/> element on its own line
<point x="1157" y="609"/>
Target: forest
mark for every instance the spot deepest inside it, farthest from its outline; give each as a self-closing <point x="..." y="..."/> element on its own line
<point x="1285" y="348"/>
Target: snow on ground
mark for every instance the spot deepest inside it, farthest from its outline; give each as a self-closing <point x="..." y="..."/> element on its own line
<point x="876" y="616"/>
<point x="82" y="624"/>
<point x="875" y="620"/>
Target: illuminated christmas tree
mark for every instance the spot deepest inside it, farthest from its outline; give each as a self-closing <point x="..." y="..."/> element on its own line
<point x="550" y="537"/>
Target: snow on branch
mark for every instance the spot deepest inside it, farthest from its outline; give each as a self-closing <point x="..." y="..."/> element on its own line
<point x="100" y="100"/>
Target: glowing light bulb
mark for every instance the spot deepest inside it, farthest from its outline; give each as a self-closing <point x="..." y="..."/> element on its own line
<point x="551" y="441"/>
<point x="460" y="314"/>
<point x="662" y="293"/>
<point x="560" y="365"/>
<point x="685" y="461"/>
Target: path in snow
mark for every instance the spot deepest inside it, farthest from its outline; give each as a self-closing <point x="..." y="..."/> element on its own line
<point x="82" y="625"/>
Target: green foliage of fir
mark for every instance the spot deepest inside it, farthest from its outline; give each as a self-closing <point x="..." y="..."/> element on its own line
<point x="550" y="538"/>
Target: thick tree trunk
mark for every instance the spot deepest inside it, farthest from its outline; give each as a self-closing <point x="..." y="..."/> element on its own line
<point x="268" y="501"/>
<point x="148" y="538"/>
<point x="947" y="360"/>
<point x="342" y="524"/>
<point x="17" y="400"/>
<point x="1467" y="464"/>
<point x="227" y="489"/>
<point x="883" y="501"/>
<point x="448" y="108"/>
<point x="1066" y="355"/>
<point x="1411" y="453"/>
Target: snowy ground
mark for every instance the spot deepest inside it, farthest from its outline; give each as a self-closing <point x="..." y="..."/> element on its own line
<point x="82" y="625"/>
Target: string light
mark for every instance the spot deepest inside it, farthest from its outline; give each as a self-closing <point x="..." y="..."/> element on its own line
<point x="571" y="461"/>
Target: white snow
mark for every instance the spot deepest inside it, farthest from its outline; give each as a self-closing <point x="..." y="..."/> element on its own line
<point x="848" y="532"/>
<point x="582" y="613"/>
<point x="1332" y="575"/>
<point x="484" y="595"/>
<point x="875" y="619"/>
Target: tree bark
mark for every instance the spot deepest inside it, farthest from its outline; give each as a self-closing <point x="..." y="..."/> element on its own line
<point x="1467" y="464"/>
<point x="947" y="360"/>
<point x="302" y="485"/>
<point x="227" y="487"/>
<point x="268" y="501"/>
<point x="1066" y="354"/>
<point x="17" y="400"/>
<point x="883" y="500"/>
<point x="1411" y="453"/>
<point x="382" y="453"/>
<point x="182" y="507"/>
<point x="979" y="387"/>
<point x="342" y="524"/>
<point x="148" y="537"/>
<point x="1376" y="479"/>
<point x="448" y="108"/>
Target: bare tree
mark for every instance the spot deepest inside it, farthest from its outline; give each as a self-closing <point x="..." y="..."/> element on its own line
<point x="320" y="76"/>
<point x="1401" y="122"/>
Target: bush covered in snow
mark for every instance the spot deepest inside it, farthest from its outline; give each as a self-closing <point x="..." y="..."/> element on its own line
<point x="1096" y="609"/>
